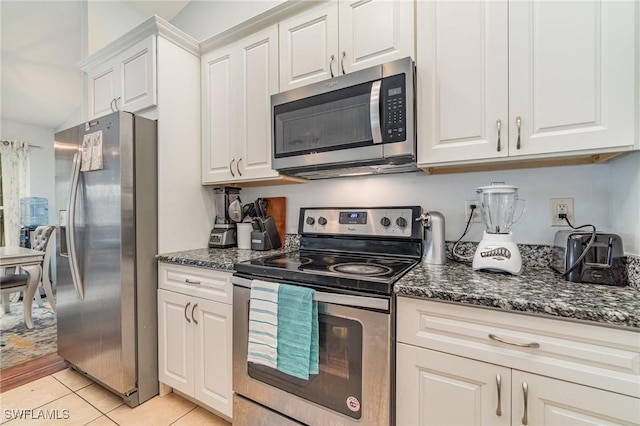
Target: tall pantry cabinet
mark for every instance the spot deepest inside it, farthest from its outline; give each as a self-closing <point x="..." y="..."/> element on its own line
<point x="154" y="70"/>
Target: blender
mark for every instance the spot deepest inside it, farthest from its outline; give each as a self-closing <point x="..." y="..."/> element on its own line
<point x="223" y="234"/>
<point x="497" y="251"/>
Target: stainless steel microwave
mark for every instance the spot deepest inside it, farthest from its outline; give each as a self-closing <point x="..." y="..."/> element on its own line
<point x="359" y="123"/>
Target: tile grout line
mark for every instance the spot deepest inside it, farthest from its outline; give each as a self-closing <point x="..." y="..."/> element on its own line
<point x="178" y="419"/>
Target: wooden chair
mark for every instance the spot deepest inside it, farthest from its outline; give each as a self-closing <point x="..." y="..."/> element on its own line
<point x="10" y="284"/>
<point x="42" y="241"/>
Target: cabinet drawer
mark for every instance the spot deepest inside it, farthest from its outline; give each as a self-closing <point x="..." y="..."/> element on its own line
<point x="592" y="355"/>
<point x="200" y="282"/>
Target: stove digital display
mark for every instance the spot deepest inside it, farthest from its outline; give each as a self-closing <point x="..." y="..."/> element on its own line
<point x="353" y="218"/>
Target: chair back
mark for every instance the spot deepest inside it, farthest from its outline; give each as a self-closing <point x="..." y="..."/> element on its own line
<point x="41" y="237"/>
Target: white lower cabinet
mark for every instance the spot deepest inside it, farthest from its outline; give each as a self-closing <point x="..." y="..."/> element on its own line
<point x="194" y="335"/>
<point x="532" y="371"/>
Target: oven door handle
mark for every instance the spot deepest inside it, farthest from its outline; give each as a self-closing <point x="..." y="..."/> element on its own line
<point x="333" y="298"/>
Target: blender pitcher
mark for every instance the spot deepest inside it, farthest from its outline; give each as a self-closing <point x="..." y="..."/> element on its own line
<point x="498" y="205"/>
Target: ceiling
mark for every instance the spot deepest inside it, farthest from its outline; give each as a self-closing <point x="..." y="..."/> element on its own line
<point x="41" y="48"/>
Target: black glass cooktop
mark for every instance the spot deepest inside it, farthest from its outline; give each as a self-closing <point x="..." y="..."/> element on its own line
<point x="373" y="274"/>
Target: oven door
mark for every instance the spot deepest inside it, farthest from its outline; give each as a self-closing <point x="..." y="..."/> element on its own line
<point x="354" y="382"/>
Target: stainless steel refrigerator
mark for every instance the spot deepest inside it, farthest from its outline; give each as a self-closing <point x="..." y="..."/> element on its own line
<point x="105" y="257"/>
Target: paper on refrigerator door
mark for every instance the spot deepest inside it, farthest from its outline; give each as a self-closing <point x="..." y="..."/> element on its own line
<point x="85" y="166"/>
<point x="96" y="151"/>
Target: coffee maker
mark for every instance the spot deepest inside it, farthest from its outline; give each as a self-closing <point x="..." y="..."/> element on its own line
<point x="223" y="234"/>
<point x="497" y="251"/>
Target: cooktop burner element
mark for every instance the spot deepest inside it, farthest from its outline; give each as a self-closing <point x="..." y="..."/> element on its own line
<point x="363" y="250"/>
<point x="369" y="269"/>
<point x="288" y="261"/>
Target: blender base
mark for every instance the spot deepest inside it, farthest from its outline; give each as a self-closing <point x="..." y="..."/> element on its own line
<point x="497" y="253"/>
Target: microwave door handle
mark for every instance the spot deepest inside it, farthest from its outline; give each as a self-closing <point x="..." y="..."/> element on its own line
<point x="374" y="110"/>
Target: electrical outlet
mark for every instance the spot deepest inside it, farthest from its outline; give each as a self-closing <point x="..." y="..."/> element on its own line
<point x="561" y="206"/>
<point x="476" y="212"/>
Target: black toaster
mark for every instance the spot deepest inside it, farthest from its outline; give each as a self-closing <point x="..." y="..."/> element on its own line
<point x="604" y="262"/>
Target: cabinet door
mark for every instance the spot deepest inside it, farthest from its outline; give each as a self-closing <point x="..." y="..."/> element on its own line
<point x="572" y="77"/>
<point x="375" y="31"/>
<point x="309" y="46"/>
<point x="103" y="83"/>
<point x="138" y="76"/>
<point x="555" y="402"/>
<point x="462" y="80"/>
<point x="219" y="81"/>
<point x="258" y="56"/>
<point x="434" y="388"/>
<point x="213" y="329"/>
<point x="175" y="341"/>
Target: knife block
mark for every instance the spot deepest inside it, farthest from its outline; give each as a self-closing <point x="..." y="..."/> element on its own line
<point x="267" y="237"/>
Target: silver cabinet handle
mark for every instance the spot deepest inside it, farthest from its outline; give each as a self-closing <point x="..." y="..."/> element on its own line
<point x="499" y="127"/>
<point x="519" y="126"/>
<point x="111" y="105"/>
<point x="192" y="317"/>
<point x="188" y="281"/>
<point x="185" y="312"/>
<point x="499" y="385"/>
<point x="374" y="112"/>
<point x="230" y="168"/>
<point x="521" y="345"/>
<point x="342" y="61"/>
<point x="331" y="65"/>
<point x="238" y="166"/>
<point x="525" y="394"/>
<point x="115" y="104"/>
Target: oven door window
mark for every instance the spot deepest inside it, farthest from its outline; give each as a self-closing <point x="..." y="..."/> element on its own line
<point x="335" y="120"/>
<point x="338" y="386"/>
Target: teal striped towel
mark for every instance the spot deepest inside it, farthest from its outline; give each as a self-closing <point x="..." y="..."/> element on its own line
<point x="263" y="324"/>
<point x="297" y="346"/>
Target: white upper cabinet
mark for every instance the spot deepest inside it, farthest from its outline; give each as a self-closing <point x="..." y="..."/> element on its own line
<point x="462" y="80"/>
<point x="126" y="82"/>
<point x="572" y="77"/>
<point x="341" y="36"/>
<point x="525" y="78"/>
<point x="308" y="46"/>
<point x="237" y="83"/>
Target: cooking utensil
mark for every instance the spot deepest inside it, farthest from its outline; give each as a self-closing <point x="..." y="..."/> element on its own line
<point x="260" y="205"/>
<point x="235" y="210"/>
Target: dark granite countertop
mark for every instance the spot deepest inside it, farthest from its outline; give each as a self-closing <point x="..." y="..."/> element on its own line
<point x="222" y="259"/>
<point x="536" y="291"/>
<point x="539" y="290"/>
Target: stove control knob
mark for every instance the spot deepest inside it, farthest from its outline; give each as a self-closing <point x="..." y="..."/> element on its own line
<point x="322" y="221"/>
<point x="401" y="222"/>
<point x="385" y="221"/>
<point x="310" y="220"/>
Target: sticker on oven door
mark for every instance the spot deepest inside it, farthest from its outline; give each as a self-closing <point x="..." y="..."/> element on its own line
<point x="353" y="403"/>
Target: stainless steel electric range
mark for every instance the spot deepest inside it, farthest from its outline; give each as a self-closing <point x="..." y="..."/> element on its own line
<point x="351" y="257"/>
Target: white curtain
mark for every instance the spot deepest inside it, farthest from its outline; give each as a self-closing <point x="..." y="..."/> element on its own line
<point x="14" y="156"/>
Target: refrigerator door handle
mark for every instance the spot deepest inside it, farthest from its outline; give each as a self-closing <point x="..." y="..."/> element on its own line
<point x="71" y="227"/>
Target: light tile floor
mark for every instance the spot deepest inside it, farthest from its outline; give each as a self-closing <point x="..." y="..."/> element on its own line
<point x="68" y="398"/>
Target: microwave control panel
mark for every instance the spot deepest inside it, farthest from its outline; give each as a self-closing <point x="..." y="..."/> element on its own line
<point x="394" y="109"/>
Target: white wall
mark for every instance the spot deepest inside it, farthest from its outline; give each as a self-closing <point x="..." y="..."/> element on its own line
<point x="203" y="19"/>
<point x="597" y="190"/>
<point x="108" y="20"/>
<point x="41" y="160"/>
<point x="624" y="208"/>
